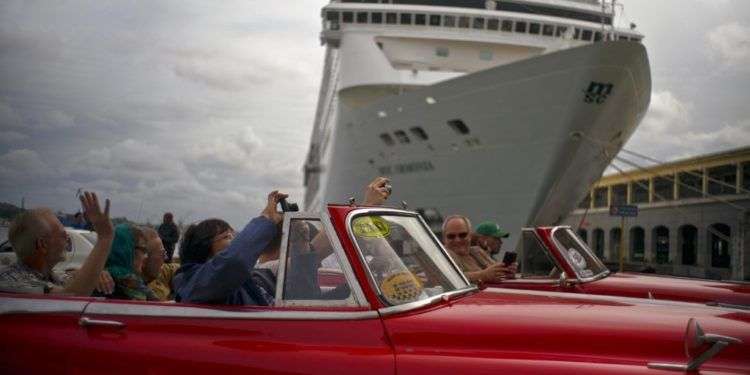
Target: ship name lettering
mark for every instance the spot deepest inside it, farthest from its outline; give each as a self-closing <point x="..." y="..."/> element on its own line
<point x="419" y="166"/>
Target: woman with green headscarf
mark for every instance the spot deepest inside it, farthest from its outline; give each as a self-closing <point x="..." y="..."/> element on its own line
<point x="121" y="265"/>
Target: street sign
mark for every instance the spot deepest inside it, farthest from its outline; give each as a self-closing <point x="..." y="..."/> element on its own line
<point x="624" y="210"/>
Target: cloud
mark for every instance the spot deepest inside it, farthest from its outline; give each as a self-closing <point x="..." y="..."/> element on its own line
<point x="669" y="131"/>
<point x="22" y="167"/>
<point x="730" y="43"/>
<point x="11" y="137"/>
<point x="8" y="116"/>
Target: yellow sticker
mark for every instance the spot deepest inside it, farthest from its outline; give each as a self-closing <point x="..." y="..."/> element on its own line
<point x="401" y="287"/>
<point x="371" y="227"/>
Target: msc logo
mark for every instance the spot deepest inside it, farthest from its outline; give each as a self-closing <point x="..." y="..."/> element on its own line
<point x="597" y="92"/>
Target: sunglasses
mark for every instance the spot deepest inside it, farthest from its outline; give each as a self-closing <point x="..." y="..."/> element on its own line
<point x="452" y="236"/>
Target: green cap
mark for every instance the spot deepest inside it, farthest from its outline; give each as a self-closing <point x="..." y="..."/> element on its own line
<point x="489" y="228"/>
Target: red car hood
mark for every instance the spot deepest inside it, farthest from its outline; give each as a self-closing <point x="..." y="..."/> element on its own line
<point x="671" y="288"/>
<point x="501" y="323"/>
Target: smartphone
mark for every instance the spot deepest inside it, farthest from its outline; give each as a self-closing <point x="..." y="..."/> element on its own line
<point x="510" y="258"/>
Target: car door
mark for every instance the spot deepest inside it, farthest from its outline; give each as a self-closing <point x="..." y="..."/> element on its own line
<point x="40" y="334"/>
<point x="304" y="334"/>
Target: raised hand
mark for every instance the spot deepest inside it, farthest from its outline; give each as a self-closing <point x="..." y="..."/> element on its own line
<point x="93" y="213"/>
<point x="377" y="191"/>
<point x="105" y="284"/>
<point x="270" y="211"/>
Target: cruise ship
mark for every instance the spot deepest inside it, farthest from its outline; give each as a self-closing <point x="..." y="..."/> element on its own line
<point x="504" y="110"/>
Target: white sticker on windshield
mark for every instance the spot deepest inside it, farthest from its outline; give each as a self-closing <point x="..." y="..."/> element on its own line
<point x="578" y="260"/>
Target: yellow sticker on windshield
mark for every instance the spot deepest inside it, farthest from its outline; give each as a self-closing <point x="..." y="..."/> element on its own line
<point x="401" y="287"/>
<point x="371" y="227"/>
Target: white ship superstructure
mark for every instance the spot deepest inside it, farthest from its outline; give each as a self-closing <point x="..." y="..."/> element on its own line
<point x="501" y="110"/>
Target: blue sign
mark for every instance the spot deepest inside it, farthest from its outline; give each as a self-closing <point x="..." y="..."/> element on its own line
<point x="624" y="210"/>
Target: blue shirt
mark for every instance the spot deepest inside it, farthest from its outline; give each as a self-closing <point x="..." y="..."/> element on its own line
<point x="226" y="277"/>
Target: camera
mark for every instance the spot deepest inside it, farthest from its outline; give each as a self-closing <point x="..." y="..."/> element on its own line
<point x="388" y="188"/>
<point x="288" y="206"/>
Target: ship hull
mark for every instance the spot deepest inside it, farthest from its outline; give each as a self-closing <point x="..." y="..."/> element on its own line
<point x="537" y="134"/>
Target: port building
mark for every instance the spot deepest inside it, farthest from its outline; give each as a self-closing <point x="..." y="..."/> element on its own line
<point x="692" y="218"/>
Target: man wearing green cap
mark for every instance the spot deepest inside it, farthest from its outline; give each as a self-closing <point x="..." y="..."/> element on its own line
<point x="490" y="237"/>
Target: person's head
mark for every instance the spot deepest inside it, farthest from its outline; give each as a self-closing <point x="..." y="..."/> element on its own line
<point x="490" y="237"/>
<point x="457" y="234"/>
<point x="205" y="239"/>
<point x="168" y="217"/>
<point x="38" y="239"/>
<point x="128" y="251"/>
<point x="152" y="247"/>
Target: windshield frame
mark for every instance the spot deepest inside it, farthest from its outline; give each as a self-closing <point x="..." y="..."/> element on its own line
<point x="371" y="279"/>
<point x="585" y="248"/>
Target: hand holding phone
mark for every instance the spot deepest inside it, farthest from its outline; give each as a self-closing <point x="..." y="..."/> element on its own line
<point x="509" y="258"/>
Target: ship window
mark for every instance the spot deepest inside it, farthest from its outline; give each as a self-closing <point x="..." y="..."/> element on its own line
<point x="561" y="31"/>
<point x="348" y="17"/>
<point x="506" y="26"/>
<point x="420" y="19"/>
<point x="548" y="30"/>
<point x="434" y="20"/>
<point x="332" y="16"/>
<point x="622" y="37"/>
<point x="479" y="23"/>
<point x="406" y="18"/>
<point x="419" y="133"/>
<point x="586" y="35"/>
<point x="376" y="18"/>
<point x="442" y="51"/>
<point x="576" y="33"/>
<point x="463" y="22"/>
<point x="597" y="36"/>
<point x="534" y="28"/>
<point x="401" y="136"/>
<point x="485" y="55"/>
<point x="361" y="17"/>
<point x="458" y="126"/>
<point x="493" y="24"/>
<point x="520" y="27"/>
<point x="386" y="138"/>
<point x="636" y="39"/>
<point x="390" y="18"/>
<point x="449" y="21"/>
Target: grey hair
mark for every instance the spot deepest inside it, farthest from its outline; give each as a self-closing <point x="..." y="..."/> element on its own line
<point x="26" y="228"/>
<point x="452" y="217"/>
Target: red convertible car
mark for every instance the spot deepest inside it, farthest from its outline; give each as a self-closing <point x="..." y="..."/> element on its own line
<point x="556" y="259"/>
<point x="398" y="306"/>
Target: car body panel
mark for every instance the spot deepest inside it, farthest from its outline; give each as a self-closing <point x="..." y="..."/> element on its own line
<point x="630" y="284"/>
<point x="467" y="330"/>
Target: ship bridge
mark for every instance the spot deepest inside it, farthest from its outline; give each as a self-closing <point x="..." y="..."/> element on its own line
<point x="471" y="35"/>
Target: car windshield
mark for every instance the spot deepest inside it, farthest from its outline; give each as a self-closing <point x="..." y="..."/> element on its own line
<point x="578" y="254"/>
<point x="404" y="261"/>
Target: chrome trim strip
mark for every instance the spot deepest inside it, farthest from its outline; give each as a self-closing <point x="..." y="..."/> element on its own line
<point x="40" y="306"/>
<point x="396" y="212"/>
<point x="280" y="275"/>
<point x="177" y="311"/>
<point x="606" y="298"/>
<point x="391" y="310"/>
<point x="586" y="248"/>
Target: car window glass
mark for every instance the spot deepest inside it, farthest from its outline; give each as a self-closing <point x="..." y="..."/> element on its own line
<point x="404" y="261"/>
<point x="308" y="277"/>
<point x="535" y="259"/>
<point x="578" y="255"/>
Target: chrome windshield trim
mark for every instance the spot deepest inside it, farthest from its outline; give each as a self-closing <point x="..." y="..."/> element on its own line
<point x="391" y="310"/>
<point x="543" y="246"/>
<point x="13" y="305"/>
<point x="325" y="221"/>
<point x="586" y="248"/>
<point x="338" y="248"/>
<point x="214" y="312"/>
<point x="392" y="211"/>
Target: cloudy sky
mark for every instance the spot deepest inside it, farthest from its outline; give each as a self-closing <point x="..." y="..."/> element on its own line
<point x="201" y="107"/>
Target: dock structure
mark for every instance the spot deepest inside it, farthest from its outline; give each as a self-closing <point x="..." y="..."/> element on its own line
<point x="693" y="217"/>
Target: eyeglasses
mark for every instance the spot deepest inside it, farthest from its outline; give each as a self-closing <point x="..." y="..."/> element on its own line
<point x="452" y="236"/>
